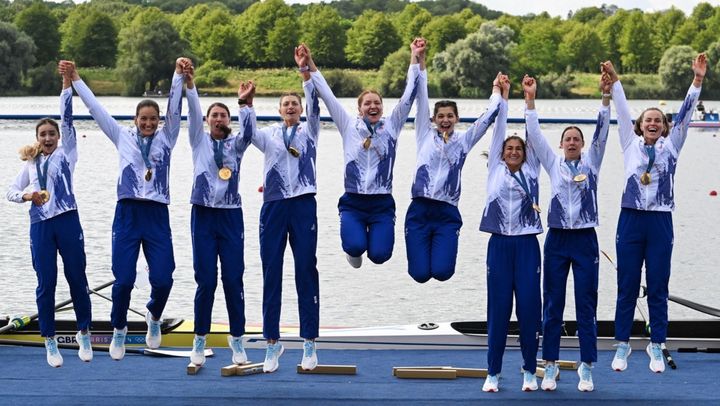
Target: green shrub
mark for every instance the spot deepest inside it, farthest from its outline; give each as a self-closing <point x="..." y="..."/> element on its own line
<point x="342" y="83"/>
<point x="212" y="74"/>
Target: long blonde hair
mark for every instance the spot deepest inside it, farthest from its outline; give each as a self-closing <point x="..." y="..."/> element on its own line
<point x="30" y="152"/>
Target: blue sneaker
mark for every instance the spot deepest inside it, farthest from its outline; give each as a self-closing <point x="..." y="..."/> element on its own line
<point x="657" y="362"/>
<point x="491" y="384"/>
<point x="309" y="360"/>
<point x="272" y="356"/>
<point x="85" y="351"/>
<point x="197" y="355"/>
<point x="549" y="381"/>
<point x="619" y="363"/>
<point x="529" y="381"/>
<point x="117" y="345"/>
<point x="239" y="356"/>
<point x="153" y="338"/>
<point x="585" y="373"/>
<point x="53" y="354"/>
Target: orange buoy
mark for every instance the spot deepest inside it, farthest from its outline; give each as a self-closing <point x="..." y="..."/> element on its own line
<point x="713" y="193"/>
<point x="261" y="189"/>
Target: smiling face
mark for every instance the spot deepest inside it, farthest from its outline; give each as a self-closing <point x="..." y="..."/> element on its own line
<point x="572" y="143"/>
<point x="652" y="125"/>
<point x="370" y="105"/>
<point x="218" y="120"/>
<point x="47" y="135"/>
<point x="513" y="153"/>
<point x="147" y="120"/>
<point x="290" y="109"/>
<point x="445" y="119"/>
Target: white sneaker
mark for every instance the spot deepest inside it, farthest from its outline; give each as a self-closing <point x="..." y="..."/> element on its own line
<point x="239" y="356"/>
<point x="549" y="381"/>
<point x="53" y="354"/>
<point x="309" y="360"/>
<point x="585" y="373"/>
<point x="529" y="382"/>
<point x="355" y="262"/>
<point x="197" y="355"/>
<point x="117" y="345"/>
<point x="85" y="351"/>
<point x="657" y="362"/>
<point x="272" y="355"/>
<point x="153" y="338"/>
<point x="491" y="384"/>
<point x="619" y="363"/>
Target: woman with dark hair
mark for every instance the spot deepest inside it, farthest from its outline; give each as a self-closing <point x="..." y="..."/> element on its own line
<point x="367" y="209"/>
<point x="571" y="237"/>
<point x="216" y="221"/>
<point x="645" y="229"/>
<point x="512" y="216"/>
<point x="289" y="212"/>
<point x="55" y="225"/>
<point x="433" y="221"/>
<point x="141" y="214"/>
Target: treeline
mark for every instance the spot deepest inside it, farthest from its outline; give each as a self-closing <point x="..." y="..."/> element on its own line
<point x="468" y="42"/>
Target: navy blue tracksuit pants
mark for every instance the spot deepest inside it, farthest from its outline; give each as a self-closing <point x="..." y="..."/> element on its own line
<point x="643" y="236"/>
<point x="513" y="267"/>
<point x="367" y="223"/>
<point x="297" y="218"/>
<point x="432" y="228"/>
<point x="63" y="234"/>
<point x="218" y="233"/>
<point x="564" y="248"/>
<point x="146" y="223"/>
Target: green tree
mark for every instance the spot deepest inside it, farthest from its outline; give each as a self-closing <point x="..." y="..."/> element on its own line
<point x="610" y="32"/>
<point x="215" y="38"/>
<point x="691" y="31"/>
<point x="43" y="80"/>
<point x="89" y="37"/>
<point x="581" y="49"/>
<point x="676" y="69"/>
<point x="637" y="46"/>
<point x="468" y="67"/>
<point x="40" y="24"/>
<point x="371" y="39"/>
<point x="443" y="31"/>
<point x="593" y="15"/>
<point x="537" y="51"/>
<point x="148" y="49"/>
<point x="711" y="84"/>
<point x="193" y="29"/>
<point x="668" y="23"/>
<point x="409" y="22"/>
<point x="393" y="73"/>
<point x="255" y="26"/>
<point x="16" y="57"/>
<point x="514" y="22"/>
<point x="324" y="33"/>
<point x="282" y="40"/>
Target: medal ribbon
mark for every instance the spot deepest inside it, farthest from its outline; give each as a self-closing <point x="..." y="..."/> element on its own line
<point x="521" y="180"/>
<point x="573" y="165"/>
<point x="370" y="127"/>
<point x="289" y="139"/>
<point x="42" y="174"/>
<point x="145" y="148"/>
<point x="650" y="149"/>
<point x="218" y="146"/>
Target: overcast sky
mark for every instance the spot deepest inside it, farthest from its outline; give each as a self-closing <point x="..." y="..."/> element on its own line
<point x="561" y="7"/>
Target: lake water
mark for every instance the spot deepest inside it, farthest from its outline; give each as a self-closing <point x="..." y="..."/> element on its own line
<point x="373" y="294"/>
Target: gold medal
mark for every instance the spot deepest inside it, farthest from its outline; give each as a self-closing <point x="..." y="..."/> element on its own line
<point x="45" y="196"/>
<point x="148" y="175"/>
<point x="645" y="178"/>
<point x="367" y="142"/>
<point x="294" y="152"/>
<point x="580" y="177"/>
<point x="536" y="207"/>
<point x="224" y="173"/>
<point x="445" y="136"/>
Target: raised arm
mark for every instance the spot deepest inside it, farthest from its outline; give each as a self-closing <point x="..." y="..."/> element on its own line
<point x="679" y="130"/>
<point x="246" y="116"/>
<point x="104" y="120"/>
<point x="625" y="124"/>
<point x="502" y="83"/>
<point x="69" y="137"/>
<point x="481" y="125"/>
<point x="195" y="115"/>
<point x="303" y="58"/>
<point x="402" y="110"/>
<point x="174" y="106"/>
<point x="536" y="141"/>
<point x="596" y="152"/>
<point x="423" y="123"/>
<point x="343" y="120"/>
